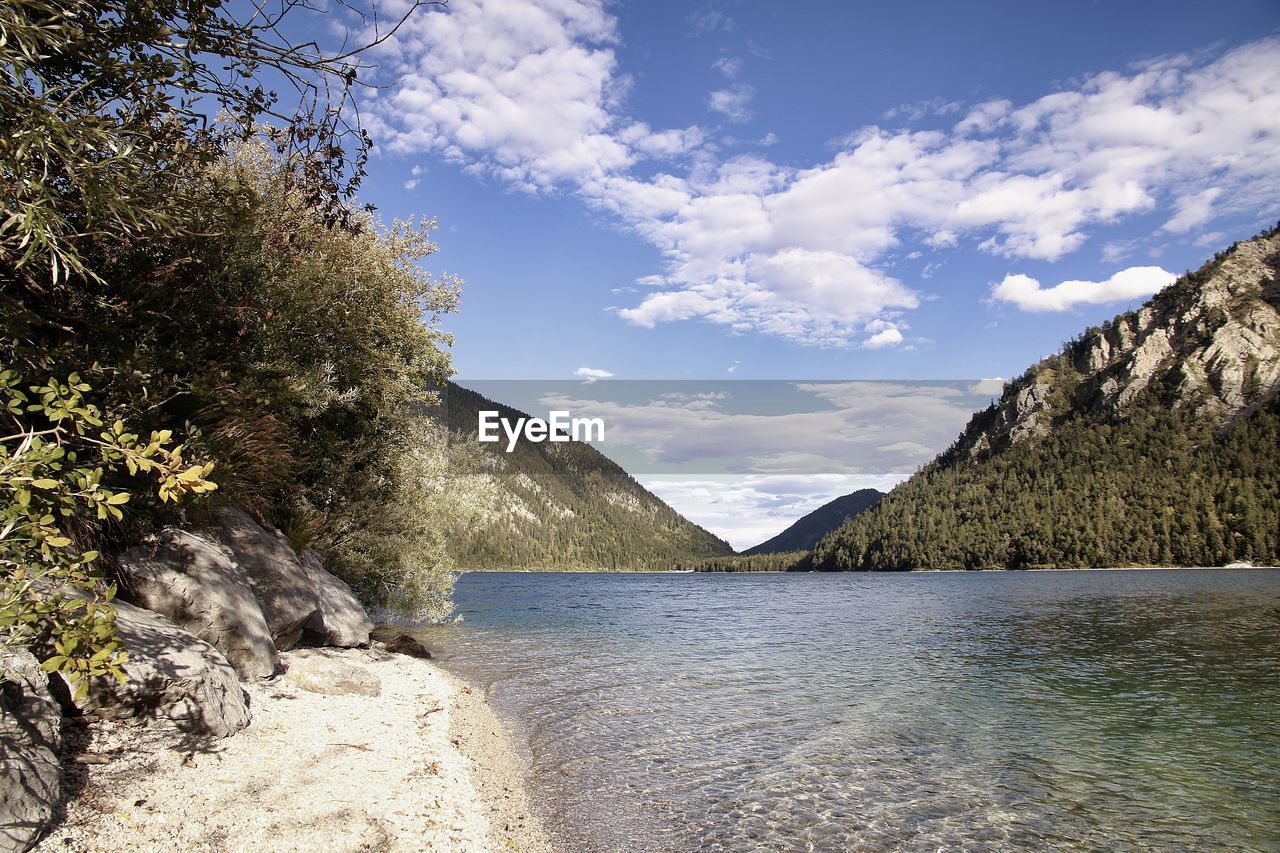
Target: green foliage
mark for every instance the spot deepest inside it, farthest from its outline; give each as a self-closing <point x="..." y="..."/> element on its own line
<point x="395" y="548"/>
<point x="783" y="561"/>
<point x="105" y="120"/>
<point x="55" y="470"/>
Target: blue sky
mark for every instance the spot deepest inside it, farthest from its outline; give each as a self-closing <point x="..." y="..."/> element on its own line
<point x="819" y="190"/>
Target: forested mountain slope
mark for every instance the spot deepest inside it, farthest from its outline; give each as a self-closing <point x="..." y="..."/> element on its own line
<point x="560" y="505"/>
<point x="1153" y="440"/>
<point x="808" y="529"/>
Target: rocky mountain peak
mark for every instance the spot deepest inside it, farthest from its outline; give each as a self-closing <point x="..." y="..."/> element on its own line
<point x="1210" y="340"/>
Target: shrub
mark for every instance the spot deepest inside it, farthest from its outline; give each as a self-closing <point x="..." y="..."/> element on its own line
<point x="57" y="469"/>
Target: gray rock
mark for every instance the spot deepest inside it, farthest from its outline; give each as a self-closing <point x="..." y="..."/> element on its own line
<point x="173" y="677"/>
<point x="282" y="586"/>
<point x="1217" y="336"/>
<point x="193" y="581"/>
<point x="340" y="621"/>
<point x="321" y="671"/>
<point x="406" y="644"/>
<point x="30" y="742"/>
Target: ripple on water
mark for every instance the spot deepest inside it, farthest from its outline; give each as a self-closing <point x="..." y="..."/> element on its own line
<point x="869" y="712"/>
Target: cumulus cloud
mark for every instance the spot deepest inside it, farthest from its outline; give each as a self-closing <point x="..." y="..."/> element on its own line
<point x="531" y="92"/>
<point x="526" y="90"/>
<point x="1131" y="283"/>
<point x="591" y="374"/>
<point x="884" y="338"/>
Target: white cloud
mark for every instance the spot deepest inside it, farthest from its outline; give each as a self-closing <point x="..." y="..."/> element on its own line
<point x="882" y="339"/>
<point x="410" y="184"/>
<point x="861" y="425"/>
<point x="747" y="510"/>
<point x="591" y="374"/>
<point x="993" y="387"/>
<point x="918" y="110"/>
<point x="729" y="66"/>
<point x="1193" y="210"/>
<point x="525" y="90"/>
<point x="733" y="103"/>
<point x="530" y="91"/>
<point x="709" y="19"/>
<point x="1131" y="283"/>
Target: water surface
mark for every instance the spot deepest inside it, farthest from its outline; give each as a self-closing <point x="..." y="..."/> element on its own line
<point x="1101" y="710"/>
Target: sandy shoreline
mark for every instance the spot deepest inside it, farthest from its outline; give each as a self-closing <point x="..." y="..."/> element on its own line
<point x="425" y="765"/>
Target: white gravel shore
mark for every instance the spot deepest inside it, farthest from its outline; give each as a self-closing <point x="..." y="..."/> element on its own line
<point x="424" y="765"/>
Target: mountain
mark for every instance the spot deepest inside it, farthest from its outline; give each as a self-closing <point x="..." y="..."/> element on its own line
<point x="561" y="505"/>
<point x="1151" y="440"/>
<point x="805" y="532"/>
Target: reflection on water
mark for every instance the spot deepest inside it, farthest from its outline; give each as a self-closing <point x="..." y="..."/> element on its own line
<point x="926" y="711"/>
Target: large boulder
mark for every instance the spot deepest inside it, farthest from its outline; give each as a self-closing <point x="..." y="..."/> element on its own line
<point x="30" y="743"/>
<point x="340" y="620"/>
<point x="282" y="586"/>
<point x="172" y="676"/>
<point x="193" y="581"/>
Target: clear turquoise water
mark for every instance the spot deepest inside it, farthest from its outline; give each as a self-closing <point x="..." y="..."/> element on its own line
<point x="1100" y="710"/>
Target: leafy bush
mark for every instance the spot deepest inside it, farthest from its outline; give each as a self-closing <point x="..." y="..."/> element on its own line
<point x="56" y="470"/>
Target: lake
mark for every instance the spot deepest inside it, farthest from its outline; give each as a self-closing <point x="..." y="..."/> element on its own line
<point x="925" y="711"/>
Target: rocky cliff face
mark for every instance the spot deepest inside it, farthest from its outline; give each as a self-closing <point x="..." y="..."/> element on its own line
<point x="1210" y="341"/>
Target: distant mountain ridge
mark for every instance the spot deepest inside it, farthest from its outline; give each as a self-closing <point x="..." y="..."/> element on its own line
<point x="561" y="505"/>
<point x="808" y="529"/>
<point x="1151" y="440"/>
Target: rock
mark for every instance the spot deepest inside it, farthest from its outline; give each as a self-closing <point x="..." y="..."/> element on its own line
<point x="30" y="743"/>
<point x="340" y="620"/>
<point x="193" y="581"/>
<point x="405" y="644"/>
<point x="172" y="676"/>
<point x="1213" y="339"/>
<point x="1239" y="564"/>
<point x="1033" y="415"/>
<point x="282" y="586"/>
<point x="321" y="671"/>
